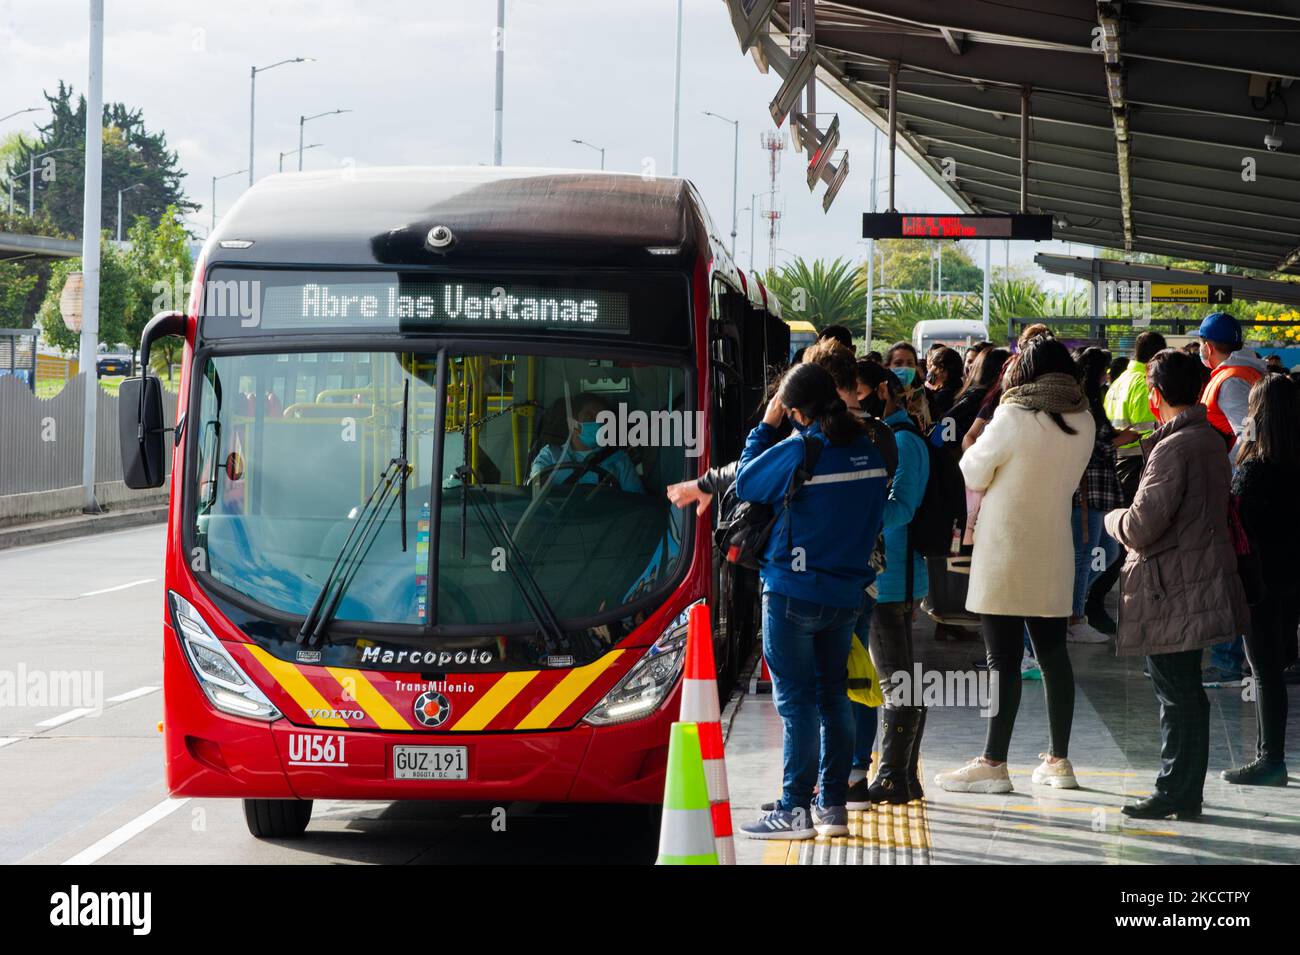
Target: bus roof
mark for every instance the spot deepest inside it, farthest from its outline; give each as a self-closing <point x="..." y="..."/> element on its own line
<point x="382" y="216"/>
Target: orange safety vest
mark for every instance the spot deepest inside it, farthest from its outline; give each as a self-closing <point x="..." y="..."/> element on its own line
<point x="1210" y="397"/>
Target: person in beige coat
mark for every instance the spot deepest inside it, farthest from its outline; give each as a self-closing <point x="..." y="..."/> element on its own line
<point x="1028" y="462"/>
<point x="1179" y="587"/>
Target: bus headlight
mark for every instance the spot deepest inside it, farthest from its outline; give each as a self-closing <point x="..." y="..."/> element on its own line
<point x="649" y="682"/>
<point x="226" y="685"/>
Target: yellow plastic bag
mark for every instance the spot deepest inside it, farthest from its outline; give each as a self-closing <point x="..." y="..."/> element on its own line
<point x="864" y="687"/>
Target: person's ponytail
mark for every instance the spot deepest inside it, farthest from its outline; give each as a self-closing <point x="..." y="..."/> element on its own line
<point x="811" y="389"/>
<point x="838" y="423"/>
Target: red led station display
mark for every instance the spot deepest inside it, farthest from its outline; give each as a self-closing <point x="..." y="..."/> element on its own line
<point x="899" y="225"/>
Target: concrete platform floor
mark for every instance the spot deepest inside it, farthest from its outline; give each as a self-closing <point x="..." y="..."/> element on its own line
<point x="1115" y="749"/>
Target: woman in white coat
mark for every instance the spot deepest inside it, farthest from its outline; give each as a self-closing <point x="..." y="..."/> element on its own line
<point x="1027" y="463"/>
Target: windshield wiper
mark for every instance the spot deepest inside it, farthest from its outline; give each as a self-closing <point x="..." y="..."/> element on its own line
<point x="498" y="534"/>
<point x="368" y="521"/>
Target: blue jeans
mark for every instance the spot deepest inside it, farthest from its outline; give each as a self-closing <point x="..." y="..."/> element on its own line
<point x="1086" y="557"/>
<point x="807" y="649"/>
<point x="864" y="717"/>
<point x="1228" y="656"/>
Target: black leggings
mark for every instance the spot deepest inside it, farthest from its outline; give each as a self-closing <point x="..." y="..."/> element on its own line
<point x="1004" y="640"/>
<point x="1270" y="645"/>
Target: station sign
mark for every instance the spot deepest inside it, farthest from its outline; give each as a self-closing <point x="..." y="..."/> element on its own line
<point x="1195" y="294"/>
<point x="907" y="225"/>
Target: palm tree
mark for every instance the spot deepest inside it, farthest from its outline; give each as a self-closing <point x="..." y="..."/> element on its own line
<point x="824" y="293"/>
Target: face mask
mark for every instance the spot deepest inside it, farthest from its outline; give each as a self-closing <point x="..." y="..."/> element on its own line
<point x="874" y="406"/>
<point x="905" y="375"/>
<point x="590" y="433"/>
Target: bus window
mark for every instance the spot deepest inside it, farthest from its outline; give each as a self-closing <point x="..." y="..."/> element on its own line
<point x="569" y="461"/>
<point x="271" y="522"/>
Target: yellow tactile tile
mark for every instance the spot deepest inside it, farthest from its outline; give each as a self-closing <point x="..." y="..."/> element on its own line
<point x="886" y="835"/>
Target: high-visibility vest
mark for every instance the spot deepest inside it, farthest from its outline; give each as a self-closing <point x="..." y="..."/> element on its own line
<point x="1210" y="397"/>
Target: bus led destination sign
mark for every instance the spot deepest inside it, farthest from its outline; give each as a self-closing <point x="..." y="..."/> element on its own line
<point x="462" y="303"/>
<point x="271" y="301"/>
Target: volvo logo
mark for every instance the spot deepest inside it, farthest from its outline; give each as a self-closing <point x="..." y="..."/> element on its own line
<point x="432" y="708"/>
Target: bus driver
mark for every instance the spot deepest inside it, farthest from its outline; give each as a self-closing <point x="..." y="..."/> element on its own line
<point x="559" y="464"/>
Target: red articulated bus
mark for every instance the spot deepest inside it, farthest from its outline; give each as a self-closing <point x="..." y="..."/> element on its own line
<point x="418" y="543"/>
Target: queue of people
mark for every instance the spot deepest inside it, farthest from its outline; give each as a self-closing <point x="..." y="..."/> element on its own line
<point x="1160" y="474"/>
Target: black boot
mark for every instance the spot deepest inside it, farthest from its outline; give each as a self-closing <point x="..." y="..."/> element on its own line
<point x="1258" y="772"/>
<point x="914" y="790"/>
<point x="898" y="730"/>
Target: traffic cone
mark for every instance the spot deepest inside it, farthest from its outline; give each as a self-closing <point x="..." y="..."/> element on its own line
<point x="686" y="837"/>
<point x="700" y="706"/>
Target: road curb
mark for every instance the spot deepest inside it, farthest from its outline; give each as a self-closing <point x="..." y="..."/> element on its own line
<point x="82" y="525"/>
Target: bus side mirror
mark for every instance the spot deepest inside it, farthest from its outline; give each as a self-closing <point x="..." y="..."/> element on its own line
<point x="140" y="411"/>
<point x="140" y="432"/>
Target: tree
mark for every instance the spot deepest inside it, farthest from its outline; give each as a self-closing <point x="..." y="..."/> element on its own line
<point x="910" y="264"/>
<point x="116" y="300"/>
<point x="161" y="270"/>
<point x="23" y="282"/>
<point x="131" y="155"/>
<point x="824" y="294"/>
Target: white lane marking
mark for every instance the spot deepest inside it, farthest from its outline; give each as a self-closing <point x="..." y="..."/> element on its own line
<point x="67" y="717"/>
<point x="109" y="590"/>
<point x="132" y="694"/>
<point x="6" y="740"/>
<point x="125" y="833"/>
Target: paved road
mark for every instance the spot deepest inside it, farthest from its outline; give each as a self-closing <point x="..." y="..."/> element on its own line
<point x="88" y="786"/>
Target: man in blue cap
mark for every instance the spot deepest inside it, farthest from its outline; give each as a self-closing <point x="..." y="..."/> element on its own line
<point x="1233" y="372"/>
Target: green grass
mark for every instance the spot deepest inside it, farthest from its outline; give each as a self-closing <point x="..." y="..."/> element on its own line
<point x="50" y="388"/>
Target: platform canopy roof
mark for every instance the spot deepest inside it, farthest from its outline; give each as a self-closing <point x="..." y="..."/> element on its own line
<point x="1148" y="118"/>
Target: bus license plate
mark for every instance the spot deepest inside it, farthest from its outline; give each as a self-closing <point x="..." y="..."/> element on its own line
<point x="430" y="762"/>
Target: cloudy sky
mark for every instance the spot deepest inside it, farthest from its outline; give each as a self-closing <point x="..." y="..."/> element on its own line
<point x="418" y="77"/>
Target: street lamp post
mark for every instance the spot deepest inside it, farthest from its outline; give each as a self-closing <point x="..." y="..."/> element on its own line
<point x="303" y="120"/>
<point x="119" y="207"/>
<point x="92" y="197"/>
<point x="31" y="179"/>
<point x="735" y="172"/>
<point x="288" y="151"/>
<point x="600" y="149"/>
<point x="215" y="180"/>
<point x="19" y="112"/>
<point x="252" y="97"/>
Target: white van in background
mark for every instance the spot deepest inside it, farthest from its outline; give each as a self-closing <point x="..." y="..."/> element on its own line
<point x="958" y="333"/>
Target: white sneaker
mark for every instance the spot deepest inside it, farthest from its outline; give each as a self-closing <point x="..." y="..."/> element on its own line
<point x="976" y="776"/>
<point x="1084" y="632"/>
<point x="1059" y="774"/>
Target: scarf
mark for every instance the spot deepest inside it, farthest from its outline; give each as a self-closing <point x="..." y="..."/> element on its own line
<point x="1055" y="392"/>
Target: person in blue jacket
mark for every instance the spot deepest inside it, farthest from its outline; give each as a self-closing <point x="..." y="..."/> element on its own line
<point x="814" y="572"/>
<point x="890" y="639"/>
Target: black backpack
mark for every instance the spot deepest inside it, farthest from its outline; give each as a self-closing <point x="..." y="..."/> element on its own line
<point x="941" y="515"/>
<point x="746" y="526"/>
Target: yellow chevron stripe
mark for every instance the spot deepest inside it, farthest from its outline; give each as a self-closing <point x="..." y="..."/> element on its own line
<point x="369" y="699"/>
<point x="297" y="686"/>
<point x="565" y="692"/>
<point x="494" y="700"/>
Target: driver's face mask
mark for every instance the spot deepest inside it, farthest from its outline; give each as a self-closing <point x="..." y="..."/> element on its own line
<point x="590" y="432"/>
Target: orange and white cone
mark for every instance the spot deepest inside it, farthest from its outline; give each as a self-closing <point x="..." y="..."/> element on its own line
<point x="700" y="705"/>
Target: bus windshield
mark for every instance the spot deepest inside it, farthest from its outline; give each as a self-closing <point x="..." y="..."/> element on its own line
<point x="542" y="474"/>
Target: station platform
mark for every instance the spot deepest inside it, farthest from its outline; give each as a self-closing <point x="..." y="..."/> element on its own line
<point x="1115" y="749"/>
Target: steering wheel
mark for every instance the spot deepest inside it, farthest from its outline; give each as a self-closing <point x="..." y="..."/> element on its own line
<point x="603" y="476"/>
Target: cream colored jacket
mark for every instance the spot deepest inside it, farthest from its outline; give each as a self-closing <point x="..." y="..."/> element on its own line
<point x="1023" y="562"/>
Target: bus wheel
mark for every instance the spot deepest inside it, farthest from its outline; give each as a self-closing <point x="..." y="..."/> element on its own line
<point x="277" y="818"/>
